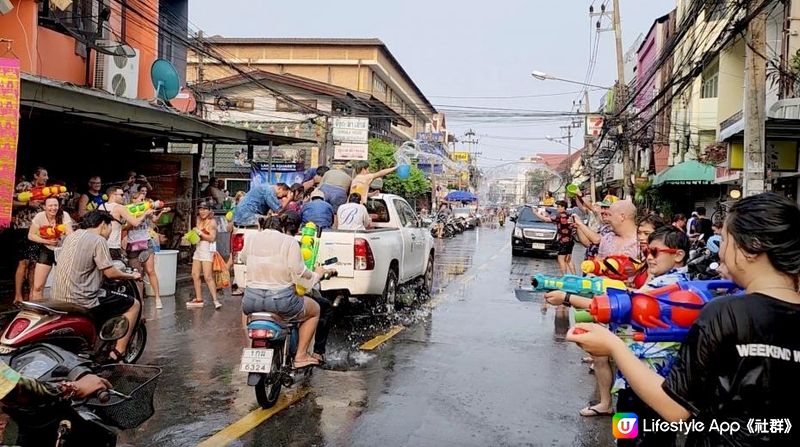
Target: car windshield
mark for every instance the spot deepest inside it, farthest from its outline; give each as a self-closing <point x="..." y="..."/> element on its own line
<point x="526" y="215"/>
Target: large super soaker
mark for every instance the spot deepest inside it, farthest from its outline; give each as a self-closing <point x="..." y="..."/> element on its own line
<point x="137" y="209"/>
<point x="309" y="249"/>
<point x="579" y="285"/>
<point x="663" y="314"/>
<point x="40" y="193"/>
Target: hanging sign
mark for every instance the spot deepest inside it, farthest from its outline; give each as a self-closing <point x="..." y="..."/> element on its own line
<point x="9" y="134"/>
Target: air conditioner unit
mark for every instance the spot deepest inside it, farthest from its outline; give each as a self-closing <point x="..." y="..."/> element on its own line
<point x="118" y="74"/>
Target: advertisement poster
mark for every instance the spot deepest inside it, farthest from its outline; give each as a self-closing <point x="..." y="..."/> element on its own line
<point x="288" y="173"/>
<point x="9" y="133"/>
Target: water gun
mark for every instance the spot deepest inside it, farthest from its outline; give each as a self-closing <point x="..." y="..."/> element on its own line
<point x="579" y="285"/>
<point x="662" y="314"/>
<point x="229" y="216"/>
<point x="137" y="209"/>
<point x="96" y="201"/>
<point x="615" y="267"/>
<point x="309" y="249"/>
<point x="52" y="232"/>
<point x="41" y="193"/>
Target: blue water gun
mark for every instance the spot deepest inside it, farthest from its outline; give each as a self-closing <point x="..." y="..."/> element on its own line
<point x="662" y="314"/>
<point x="579" y="285"/>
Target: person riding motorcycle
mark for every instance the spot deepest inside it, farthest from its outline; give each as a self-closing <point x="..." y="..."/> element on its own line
<point x="274" y="267"/>
<point x="84" y="262"/>
<point x="501" y="216"/>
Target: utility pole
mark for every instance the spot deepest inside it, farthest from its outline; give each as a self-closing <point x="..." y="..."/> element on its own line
<point x="619" y="101"/>
<point x="200" y="69"/>
<point x="589" y="148"/>
<point x="754" y="175"/>
<point x="568" y="128"/>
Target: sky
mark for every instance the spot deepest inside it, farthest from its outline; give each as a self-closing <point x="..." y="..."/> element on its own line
<point x="465" y="55"/>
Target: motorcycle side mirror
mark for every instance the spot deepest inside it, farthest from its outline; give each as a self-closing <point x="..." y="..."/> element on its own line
<point x="114" y="329"/>
<point x="714" y="266"/>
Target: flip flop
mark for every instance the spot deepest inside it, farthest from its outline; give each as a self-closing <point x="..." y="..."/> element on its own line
<point x="306" y="363"/>
<point x="237" y="292"/>
<point x="195" y="303"/>
<point x="587" y="360"/>
<point x="320" y="358"/>
<point x="589" y="412"/>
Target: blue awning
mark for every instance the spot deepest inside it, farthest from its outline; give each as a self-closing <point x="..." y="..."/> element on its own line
<point x="460" y="196"/>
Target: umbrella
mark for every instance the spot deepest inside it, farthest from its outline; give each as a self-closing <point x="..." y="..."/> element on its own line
<point x="460" y="196"/>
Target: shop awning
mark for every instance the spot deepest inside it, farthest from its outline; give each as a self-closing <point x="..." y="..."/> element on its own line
<point x="690" y="172"/>
<point x="137" y="116"/>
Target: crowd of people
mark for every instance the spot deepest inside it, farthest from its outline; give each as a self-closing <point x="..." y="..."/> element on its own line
<point x="706" y="376"/>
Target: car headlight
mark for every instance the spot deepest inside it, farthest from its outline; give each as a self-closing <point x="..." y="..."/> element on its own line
<point x="518" y="232"/>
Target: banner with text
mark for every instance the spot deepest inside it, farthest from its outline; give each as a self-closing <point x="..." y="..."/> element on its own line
<point x="289" y="173"/>
<point x="9" y="134"/>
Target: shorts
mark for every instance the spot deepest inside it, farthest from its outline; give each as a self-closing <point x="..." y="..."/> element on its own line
<point x="285" y="303"/>
<point x="111" y="306"/>
<point x="117" y="254"/>
<point x="135" y="249"/>
<point x="26" y="250"/>
<point x="46" y="256"/>
<point x="565" y="248"/>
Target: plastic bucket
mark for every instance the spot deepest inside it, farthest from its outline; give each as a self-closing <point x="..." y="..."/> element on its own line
<point x="572" y="190"/>
<point x="403" y="171"/>
<point x="166" y="264"/>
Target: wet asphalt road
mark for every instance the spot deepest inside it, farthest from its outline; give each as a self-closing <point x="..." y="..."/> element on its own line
<point x="474" y="366"/>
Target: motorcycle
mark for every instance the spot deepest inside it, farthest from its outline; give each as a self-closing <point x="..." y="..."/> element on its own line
<point x="502" y="221"/>
<point x="269" y="361"/>
<point x="71" y="327"/>
<point x="704" y="261"/>
<point x="94" y="421"/>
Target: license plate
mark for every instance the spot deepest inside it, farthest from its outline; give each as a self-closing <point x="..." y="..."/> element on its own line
<point x="538" y="246"/>
<point x="256" y="360"/>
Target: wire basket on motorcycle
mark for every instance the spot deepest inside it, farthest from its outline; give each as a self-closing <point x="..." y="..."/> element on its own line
<point x="131" y="398"/>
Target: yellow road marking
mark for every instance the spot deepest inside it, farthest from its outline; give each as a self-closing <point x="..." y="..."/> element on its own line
<point x="380" y="339"/>
<point x="252" y="420"/>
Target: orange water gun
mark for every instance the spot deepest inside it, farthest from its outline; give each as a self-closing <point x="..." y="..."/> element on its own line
<point x="619" y="267"/>
<point x="52" y="231"/>
<point x="41" y="193"/>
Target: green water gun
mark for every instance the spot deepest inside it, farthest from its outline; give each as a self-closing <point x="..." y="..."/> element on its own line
<point x="309" y="249"/>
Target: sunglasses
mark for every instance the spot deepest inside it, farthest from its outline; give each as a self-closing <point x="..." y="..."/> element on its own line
<point x="655" y="251"/>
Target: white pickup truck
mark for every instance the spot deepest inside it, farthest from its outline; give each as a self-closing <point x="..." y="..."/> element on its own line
<point x="372" y="263"/>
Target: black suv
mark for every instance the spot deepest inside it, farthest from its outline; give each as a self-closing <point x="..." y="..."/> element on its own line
<point x="531" y="234"/>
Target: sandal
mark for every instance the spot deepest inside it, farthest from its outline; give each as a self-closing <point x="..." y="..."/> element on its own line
<point x="589" y="412"/>
<point x="237" y="292"/>
<point x="195" y="303"/>
<point x="320" y="358"/>
<point x="306" y="363"/>
<point x="587" y="359"/>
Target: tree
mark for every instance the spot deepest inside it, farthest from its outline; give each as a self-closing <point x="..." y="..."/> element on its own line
<point x="381" y="156"/>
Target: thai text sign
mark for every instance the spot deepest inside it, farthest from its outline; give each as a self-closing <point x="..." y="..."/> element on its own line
<point x="460" y="156"/>
<point x="9" y="133"/>
<point x="351" y="151"/>
<point x="350" y="129"/>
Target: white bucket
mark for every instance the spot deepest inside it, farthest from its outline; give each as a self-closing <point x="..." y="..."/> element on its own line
<point x="166" y="264"/>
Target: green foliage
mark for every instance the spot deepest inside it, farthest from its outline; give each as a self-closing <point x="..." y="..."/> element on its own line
<point x="381" y="156"/>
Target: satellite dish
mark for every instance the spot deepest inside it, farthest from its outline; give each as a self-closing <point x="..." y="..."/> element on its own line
<point x="165" y="79"/>
<point x="185" y="101"/>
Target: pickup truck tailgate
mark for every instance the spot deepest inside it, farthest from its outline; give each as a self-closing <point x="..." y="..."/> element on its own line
<point x="338" y="244"/>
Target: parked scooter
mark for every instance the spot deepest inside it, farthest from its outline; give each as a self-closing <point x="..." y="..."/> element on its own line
<point x="71" y="327"/>
<point x="269" y="361"/>
<point x="704" y="262"/>
<point x="70" y="422"/>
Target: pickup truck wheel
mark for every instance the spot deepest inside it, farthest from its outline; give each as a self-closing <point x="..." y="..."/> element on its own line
<point x="389" y="298"/>
<point x="427" y="279"/>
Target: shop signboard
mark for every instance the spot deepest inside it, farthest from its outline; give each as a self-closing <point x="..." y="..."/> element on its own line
<point x="351" y="151"/>
<point x="350" y="129"/>
<point x="9" y="134"/>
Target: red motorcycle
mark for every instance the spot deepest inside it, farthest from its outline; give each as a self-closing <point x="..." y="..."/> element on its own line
<point x="71" y="327"/>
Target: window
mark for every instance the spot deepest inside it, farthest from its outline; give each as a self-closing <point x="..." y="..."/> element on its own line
<point x="283" y="105"/>
<point x="72" y="17"/>
<point x="407" y="216"/>
<point x="378" y="211"/>
<point x="710" y="82"/>
<point x="235" y="185"/>
<point x="378" y="86"/>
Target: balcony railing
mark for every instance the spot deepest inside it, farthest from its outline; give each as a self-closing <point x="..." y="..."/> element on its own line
<point x="731" y="121"/>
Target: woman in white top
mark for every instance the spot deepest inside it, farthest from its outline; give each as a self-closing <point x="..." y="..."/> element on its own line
<point x="274" y="267"/>
<point x="47" y="229"/>
<point x="203" y="256"/>
<point x="139" y="243"/>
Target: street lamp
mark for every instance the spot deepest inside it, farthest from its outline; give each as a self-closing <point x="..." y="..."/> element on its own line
<point x="542" y="76"/>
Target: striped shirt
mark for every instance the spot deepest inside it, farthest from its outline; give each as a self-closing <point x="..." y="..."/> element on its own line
<point x="79" y="272"/>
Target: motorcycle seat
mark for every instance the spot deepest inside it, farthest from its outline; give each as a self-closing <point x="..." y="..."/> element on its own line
<point x="57" y="306"/>
<point x="267" y="316"/>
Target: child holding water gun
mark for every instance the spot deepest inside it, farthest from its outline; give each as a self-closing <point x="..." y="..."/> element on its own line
<point x="723" y="372"/>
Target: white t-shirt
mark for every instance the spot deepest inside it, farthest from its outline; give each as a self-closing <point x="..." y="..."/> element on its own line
<point x="40" y="220"/>
<point x="274" y="262"/>
<point x="115" y="239"/>
<point x="353" y="216"/>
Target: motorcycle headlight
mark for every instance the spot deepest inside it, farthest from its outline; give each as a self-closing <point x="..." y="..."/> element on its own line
<point x="518" y="232"/>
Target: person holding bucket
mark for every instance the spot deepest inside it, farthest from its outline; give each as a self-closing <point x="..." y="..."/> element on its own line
<point x="363" y="178"/>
